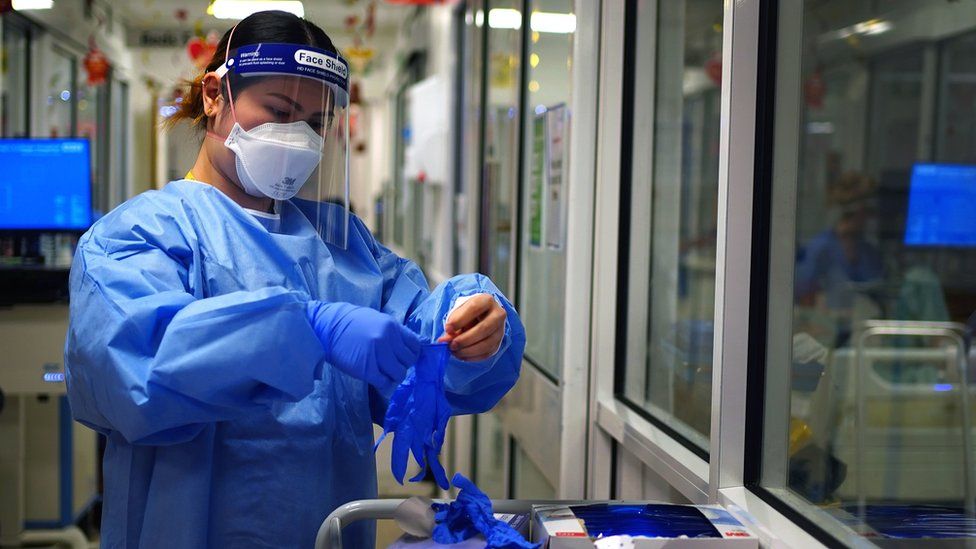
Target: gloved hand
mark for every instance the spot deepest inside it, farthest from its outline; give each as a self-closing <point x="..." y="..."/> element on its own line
<point x="364" y="343"/>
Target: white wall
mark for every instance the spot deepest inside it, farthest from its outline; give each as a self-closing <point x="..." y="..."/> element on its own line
<point x="176" y="149"/>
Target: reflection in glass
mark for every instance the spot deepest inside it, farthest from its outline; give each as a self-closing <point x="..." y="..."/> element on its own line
<point x="673" y="216"/>
<point x="92" y="118"/>
<point x="528" y="480"/>
<point x="490" y="456"/>
<point x="59" y="94"/>
<point x="501" y="142"/>
<point x="881" y="417"/>
<point x="542" y="275"/>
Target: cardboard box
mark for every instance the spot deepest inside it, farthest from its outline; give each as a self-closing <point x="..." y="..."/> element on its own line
<point x="565" y="526"/>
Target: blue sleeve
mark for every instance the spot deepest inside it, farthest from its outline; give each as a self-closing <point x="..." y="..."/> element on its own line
<point x="472" y="387"/>
<point x="150" y="358"/>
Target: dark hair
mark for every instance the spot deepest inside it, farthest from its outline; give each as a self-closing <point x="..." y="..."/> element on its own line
<point x="260" y="27"/>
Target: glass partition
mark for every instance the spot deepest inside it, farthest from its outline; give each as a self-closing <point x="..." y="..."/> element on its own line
<point x="58" y="94"/>
<point x="92" y="114"/>
<point x="14" y="80"/>
<point x="528" y="481"/>
<point x="545" y="177"/>
<point x="491" y="456"/>
<point x="869" y="406"/>
<point x="669" y="198"/>
<point x="501" y="141"/>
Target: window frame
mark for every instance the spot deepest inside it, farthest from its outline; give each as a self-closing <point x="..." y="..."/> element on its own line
<point x="728" y="475"/>
<point x="15" y="21"/>
<point x="615" y="426"/>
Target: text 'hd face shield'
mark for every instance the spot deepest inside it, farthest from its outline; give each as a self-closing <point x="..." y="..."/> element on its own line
<point x="290" y="136"/>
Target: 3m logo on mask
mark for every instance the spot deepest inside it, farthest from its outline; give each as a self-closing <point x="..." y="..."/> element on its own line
<point x="313" y="59"/>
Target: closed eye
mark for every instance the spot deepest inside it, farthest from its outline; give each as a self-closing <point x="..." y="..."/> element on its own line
<point x="280" y="115"/>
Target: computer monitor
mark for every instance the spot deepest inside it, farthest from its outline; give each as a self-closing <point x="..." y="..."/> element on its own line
<point x="45" y="184"/>
<point x="941" y="205"/>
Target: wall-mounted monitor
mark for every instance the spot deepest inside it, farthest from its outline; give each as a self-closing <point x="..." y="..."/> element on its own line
<point x="941" y="206"/>
<point x="45" y="184"/>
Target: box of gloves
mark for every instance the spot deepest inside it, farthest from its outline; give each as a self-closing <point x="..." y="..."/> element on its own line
<point x="643" y="525"/>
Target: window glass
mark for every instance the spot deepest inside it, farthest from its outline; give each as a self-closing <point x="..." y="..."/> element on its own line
<point x="471" y="74"/>
<point x="92" y="122"/>
<point x="58" y="95"/>
<point x="491" y="455"/>
<point x="869" y="412"/>
<point x="528" y="481"/>
<point x="956" y="130"/>
<point x="119" y="144"/>
<point x="14" y="86"/>
<point x="545" y="180"/>
<point x="401" y="203"/>
<point x="501" y="141"/>
<point x="670" y="212"/>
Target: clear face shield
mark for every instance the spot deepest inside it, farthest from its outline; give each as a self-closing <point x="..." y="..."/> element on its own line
<point x="290" y="107"/>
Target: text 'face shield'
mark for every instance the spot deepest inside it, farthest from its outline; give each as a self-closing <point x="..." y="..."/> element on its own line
<point x="291" y="131"/>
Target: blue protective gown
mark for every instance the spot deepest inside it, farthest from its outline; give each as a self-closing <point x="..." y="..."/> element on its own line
<point x="189" y="348"/>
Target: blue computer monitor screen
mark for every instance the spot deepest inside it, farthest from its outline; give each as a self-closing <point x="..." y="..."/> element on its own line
<point x="941" y="206"/>
<point x="45" y="184"/>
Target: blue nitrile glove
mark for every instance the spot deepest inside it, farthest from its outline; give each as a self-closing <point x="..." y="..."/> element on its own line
<point x="470" y="514"/>
<point x="418" y="414"/>
<point x="364" y="343"/>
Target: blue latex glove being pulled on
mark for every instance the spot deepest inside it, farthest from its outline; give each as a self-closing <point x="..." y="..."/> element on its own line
<point x="471" y="514"/>
<point x="364" y="343"/>
<point x="418" y="414"/>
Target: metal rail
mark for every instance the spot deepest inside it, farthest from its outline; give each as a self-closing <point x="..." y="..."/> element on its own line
<point x="330" y="532"/>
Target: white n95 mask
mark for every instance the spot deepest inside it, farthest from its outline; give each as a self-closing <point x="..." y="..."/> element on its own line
<point x="274" y="160"/>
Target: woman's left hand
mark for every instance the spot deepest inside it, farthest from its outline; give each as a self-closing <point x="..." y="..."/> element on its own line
<point x="476" y="328"/>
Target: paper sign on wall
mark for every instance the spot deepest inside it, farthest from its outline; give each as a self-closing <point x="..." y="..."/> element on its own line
<point x="557" y="145"/>
<point x="537" y="179"/>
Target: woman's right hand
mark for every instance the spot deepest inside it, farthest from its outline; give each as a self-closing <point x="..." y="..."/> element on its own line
<point x="364" y="343"/>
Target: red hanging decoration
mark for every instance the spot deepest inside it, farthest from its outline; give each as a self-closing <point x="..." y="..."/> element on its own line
<point x="201" y="50"/>
<point x="371" y="19"/>
<point x="815" y="89"/>
<point x="96" y="64"/>
<point x="713" y="68"/>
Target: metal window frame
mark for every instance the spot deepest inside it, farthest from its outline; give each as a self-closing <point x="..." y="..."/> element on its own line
<point x="15" y="21"/>
<point x="615" y="426"/>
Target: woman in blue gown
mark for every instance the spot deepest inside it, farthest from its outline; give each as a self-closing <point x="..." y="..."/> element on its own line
<point x="234" y="359"/>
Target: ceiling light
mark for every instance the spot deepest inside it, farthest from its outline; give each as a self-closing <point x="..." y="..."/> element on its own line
<point x="558" y="23"/>
<point x="874" y="26"/>
<point x="504" y="18"/>
<point x="33" y="4"/>
<point x="239" y="9"/>
<point x="871" y="27"/>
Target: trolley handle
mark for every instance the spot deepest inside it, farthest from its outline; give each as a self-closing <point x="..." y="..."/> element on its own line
<point x="330" y="532"/>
